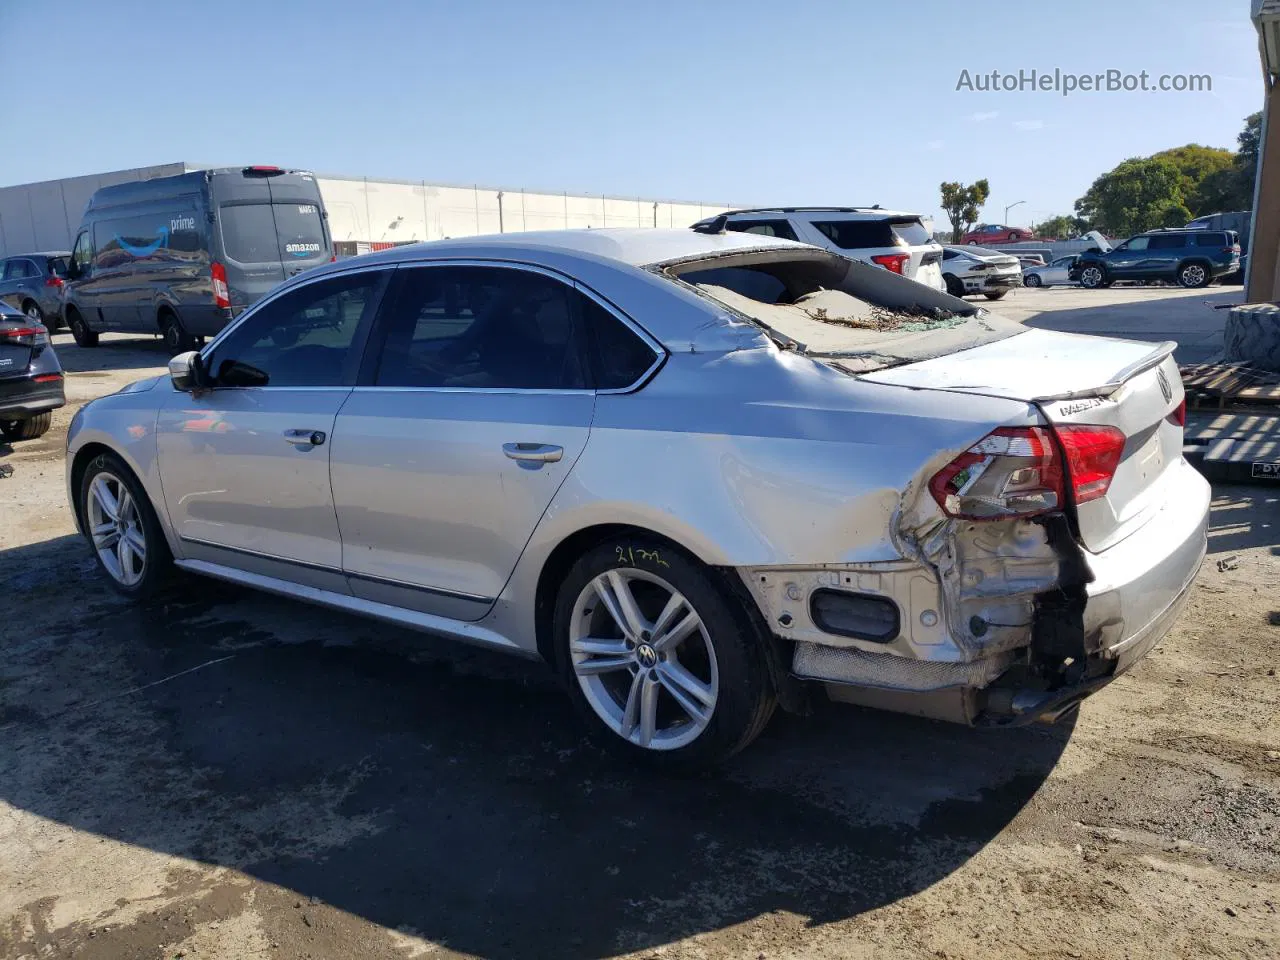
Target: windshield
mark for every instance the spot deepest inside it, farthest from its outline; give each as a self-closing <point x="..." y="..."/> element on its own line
<point x="830" y="307"/>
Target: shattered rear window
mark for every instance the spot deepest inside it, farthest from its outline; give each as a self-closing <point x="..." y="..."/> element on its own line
<point x="829" y="307"/>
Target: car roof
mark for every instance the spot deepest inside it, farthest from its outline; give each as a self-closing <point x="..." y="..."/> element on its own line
<point x="37" y="253"/>
<point x="852" y="213"/>
<point x="636" y="247"/>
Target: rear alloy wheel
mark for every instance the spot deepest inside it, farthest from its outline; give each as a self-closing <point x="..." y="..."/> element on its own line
<point x="122" y="528"/>
<point x="1092" y="277"/>
<point x="84" y="337"/>
<point x="176" y="338"/>
<point x="1194" y="275"/>
<point x="28" y="429"/>
<point x="656" y="658"/>
<point x="1031" y="280"/>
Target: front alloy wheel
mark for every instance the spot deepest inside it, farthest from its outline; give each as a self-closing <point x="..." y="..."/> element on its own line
<point x="115" y="527"/>
<point x="1091" y="277"/>
<point x="643" y="659"/>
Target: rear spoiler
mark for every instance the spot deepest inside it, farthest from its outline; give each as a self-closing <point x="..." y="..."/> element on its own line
<point x="1152" y="359"/>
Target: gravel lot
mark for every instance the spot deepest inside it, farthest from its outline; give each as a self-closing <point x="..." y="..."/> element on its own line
<point x="225" y="774"/>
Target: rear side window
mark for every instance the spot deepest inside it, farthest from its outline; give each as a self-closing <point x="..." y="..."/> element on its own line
<point x="1167" y="242"/>
<point x="767" y="228"/>
<point x="1213" y="240"/>
<point x="858" y="234"/>
<point x="485" y="328"/>
<point x="621" y="357"/>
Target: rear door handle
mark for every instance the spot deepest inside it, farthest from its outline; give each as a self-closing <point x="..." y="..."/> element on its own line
<point x="533" y="452"/>
<point x="305" y="438"/>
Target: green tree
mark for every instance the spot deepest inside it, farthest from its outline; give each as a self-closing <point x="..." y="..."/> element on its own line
<point x="1139" y="194"/>
<point x="1060" y="227"/>
<point x="962" y="204"/>
<point x="1204" y="174"/>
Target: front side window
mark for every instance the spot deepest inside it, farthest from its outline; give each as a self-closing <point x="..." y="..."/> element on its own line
<point x="82" y="255"/>
<point x="488" y="328"/>
<point x="308" y="337"/>
<point x="1137" y="243"/>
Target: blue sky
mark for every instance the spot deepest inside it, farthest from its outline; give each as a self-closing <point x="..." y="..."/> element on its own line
<point x="810" y="101"/>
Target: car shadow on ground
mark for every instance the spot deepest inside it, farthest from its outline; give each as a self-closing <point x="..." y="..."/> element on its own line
<point x="450" y="792"/>
<point x="1241" y="517"/>
<point x="110" y="354"/>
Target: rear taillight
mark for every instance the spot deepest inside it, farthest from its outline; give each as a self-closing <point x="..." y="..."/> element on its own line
<point x="26" y="336"/>
<point x="1011" y="472"/>
<point x="1092" y="454"/>
<point x="1179" y="416"/>
<point x="52" y="281"/>
<point x="893" y="262"/>
<point x="47" y="378"/>
<point x="221" y="295"/>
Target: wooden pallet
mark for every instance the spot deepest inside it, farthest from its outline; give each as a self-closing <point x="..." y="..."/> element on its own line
<point x="1218" y="384"/>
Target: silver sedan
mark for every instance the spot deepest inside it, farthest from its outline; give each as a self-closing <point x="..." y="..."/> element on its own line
<point x="698" y="474"/>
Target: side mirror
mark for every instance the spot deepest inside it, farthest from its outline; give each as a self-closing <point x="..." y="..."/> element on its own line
<point x="184" y="371"/>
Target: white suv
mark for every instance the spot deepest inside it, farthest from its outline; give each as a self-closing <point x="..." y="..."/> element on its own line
<point x="897" y="241"/>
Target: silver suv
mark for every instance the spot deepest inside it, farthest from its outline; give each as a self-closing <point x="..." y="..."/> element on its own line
<point x="897" y="241"/>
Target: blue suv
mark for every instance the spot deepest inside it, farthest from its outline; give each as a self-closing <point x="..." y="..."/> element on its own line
<point x="1193" y="258"/>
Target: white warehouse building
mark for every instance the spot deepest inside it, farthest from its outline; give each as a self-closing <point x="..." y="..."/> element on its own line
<point x="364" y="213"/>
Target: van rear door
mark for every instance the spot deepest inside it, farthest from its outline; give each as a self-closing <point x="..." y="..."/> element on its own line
<point x="271" y="227"/>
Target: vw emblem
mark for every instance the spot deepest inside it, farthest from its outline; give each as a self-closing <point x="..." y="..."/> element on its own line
<point x="1164" y="386"/>
<point x="646" y="656"/>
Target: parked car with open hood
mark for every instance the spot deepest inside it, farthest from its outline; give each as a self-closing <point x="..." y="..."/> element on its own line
<point x="1192" y="258"/>
<point x="32" y="282"/>
<point x="698" y="473"/>
<point x="898" y="242"/>
<point x="181" y="256"/>
<point x="31" y="380"/>
<point x="977" y="270"/>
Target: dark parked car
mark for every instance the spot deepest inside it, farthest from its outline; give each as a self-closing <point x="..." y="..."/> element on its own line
<point x="30" y="377"/>
<point x="1193" y="258"/>
<point x="32" y="282"/>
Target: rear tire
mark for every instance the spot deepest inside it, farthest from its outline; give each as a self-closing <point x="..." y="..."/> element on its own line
<point x="176" y="338"/>
<point x="954" y="286"/>
<point x="28" y="429"/>
<point x="628" y="684"/>
<point x="84" y="337"/>
<point x="133" y="573"/>
<point x="996" y="296"/>
<point x="33" y="312"/>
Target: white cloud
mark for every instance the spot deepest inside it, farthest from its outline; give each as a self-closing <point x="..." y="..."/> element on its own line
<point x="1029" y="124"/>
<point x="933" y="145"/>
<point x="983" y="115"/>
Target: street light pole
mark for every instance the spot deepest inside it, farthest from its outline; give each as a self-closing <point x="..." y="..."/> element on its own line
<point x="1008" y="208"/>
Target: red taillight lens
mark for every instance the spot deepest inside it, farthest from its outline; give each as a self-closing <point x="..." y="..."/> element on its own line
<point x="47" y="377"/>
<point x="221" y="295"/>
<point x="1179" y="416"/>
<point x="893" y="262"/>
<point x="1092" y="453"/>
<point x="27" y="336"/>
<point x="52" y="281"/>
<point x="1011" y="472"/>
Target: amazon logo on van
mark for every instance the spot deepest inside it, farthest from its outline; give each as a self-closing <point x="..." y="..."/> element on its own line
<point x="302" y="249"/>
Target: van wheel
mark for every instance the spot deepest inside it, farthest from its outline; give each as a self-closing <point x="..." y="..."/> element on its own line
<point x="176" y="338"/>
<point x="84" y="337"/>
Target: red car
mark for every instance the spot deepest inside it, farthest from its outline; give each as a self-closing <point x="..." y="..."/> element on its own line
<point x="988" y="233"/>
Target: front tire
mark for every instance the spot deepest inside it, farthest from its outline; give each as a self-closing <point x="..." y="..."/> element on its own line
<point x="1032" y="280"/>
<point x="122" y="528"/>
<point x="1193" y="275"/>
<point x="1092" y="277"/>
<point x="28" y="429"/>
<point x="662" y="664"/>
<point x="80" y="331"/>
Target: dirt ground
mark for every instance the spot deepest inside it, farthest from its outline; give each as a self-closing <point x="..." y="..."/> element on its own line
<point x="226" y="774"/>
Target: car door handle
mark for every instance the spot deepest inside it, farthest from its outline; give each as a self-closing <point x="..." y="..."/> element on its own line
<point x="533" y="452"/>
<point x="305" y="438"/>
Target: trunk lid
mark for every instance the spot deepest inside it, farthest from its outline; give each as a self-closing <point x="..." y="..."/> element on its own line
<point x="1130" y="385"/>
